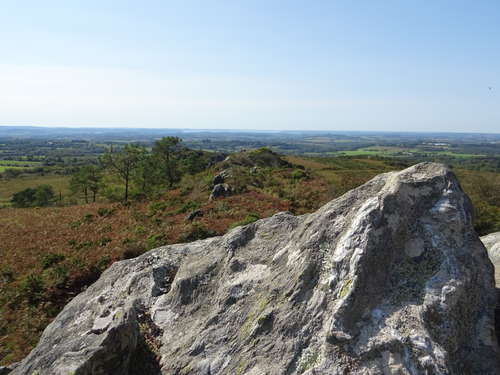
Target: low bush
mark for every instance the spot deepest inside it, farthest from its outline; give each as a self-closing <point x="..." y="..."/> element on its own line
<point x="197" y="231"/>
<point x="32" y="288"/>
<point x="250" y="218"/>
<point x="105" y="212"/>
<point x="155" y="240"/>
<point x="50" y="259"/>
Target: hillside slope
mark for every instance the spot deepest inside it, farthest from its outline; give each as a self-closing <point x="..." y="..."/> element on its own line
<point x="50" y="254"/>
<point x="389" y="278"/>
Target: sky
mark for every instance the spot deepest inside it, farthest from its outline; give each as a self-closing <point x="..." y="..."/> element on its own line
<point x="389" y="65"/>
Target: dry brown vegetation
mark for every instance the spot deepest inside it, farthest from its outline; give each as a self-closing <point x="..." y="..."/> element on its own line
<point x="50" y="254"/>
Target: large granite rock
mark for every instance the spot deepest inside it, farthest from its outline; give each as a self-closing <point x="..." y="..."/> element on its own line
<point x="492" y="244"/>
<point x="388" y="279"/>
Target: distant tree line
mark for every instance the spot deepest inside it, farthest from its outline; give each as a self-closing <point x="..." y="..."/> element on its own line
<point x="135" y="168"/>
<point x="140" y="170"/>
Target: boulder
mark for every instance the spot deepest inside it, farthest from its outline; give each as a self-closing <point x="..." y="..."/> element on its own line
<point x="218" y="179"/>
<point x="222" y="176"/>
<point x="4" y="370"/>
<point x="220" y="190"/>
<point x="492" y="244"/>
<point x="390" y="278"/>
<point x="194" y="214"/>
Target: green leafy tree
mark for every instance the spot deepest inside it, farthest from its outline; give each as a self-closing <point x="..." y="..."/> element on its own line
<point x="123" y="163"/>
<point x="88" y="180"/>
<point x="23" y="198"/>
<point x="147" y="175"/>
<point x="40" y="196"/>
<point x="166" y="150"/>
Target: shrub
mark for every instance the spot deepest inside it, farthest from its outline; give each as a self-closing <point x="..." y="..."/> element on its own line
<point x="32" y="288"/>
<point x="113" y="193"/>
<point x="197" y="232"/>
<point x="58" y="275"/>
<point x="51" y="259"/>
<point x="133" y="250"/>
<point x="156" y="207"/>
<point x="157" y="220"/>
<point x="155" y="240"/>
<point x="188" y="206"/>
<point x="40" y="196"/>
<point x="103" y="241"/>
<point x="6" y="275"/>
<point x="88" y="218"/>
<point x="298" y="174"/>
<point x="103" y="262"/>
<point x="105" y="212"/>
<point x="486" y="218"/>
<point x="250" y="218"/>
<point x="140" y="230"/>
<point x="84" y="245"/>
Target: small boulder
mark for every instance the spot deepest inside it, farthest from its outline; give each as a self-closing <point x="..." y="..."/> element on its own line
<point x="220" y="190"/>
<point x="219" y="179"/>
<point x="194" y="214"/>
<point x="492" y="244"/>
<point x="4" y="370"/>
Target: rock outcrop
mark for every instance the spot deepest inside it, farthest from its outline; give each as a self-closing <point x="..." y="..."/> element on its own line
<point x="221" y="177"/>
<point x="492" y="244"/>
<point x="194" y="214"/>
<point x="388" y="279"/>
<point x="220" y="190"/>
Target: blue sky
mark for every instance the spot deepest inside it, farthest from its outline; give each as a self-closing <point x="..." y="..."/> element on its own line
<point x="324" y="65"/>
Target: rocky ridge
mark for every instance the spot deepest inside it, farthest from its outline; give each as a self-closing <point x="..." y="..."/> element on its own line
<point x="388" y="279"/>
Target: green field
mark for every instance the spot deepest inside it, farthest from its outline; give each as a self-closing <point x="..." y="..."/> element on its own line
<point x="17" y="164"/>
<point x="9" y="187"/>
<point x="3" y="168"/>
<point x="21" y="163"/>
<point x="401" y="151"/>
<point x="378" y="151"/>
<point x="458" y="155"/>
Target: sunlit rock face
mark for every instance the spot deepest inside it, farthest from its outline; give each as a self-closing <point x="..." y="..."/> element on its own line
<point x="492" y="244"/>
<point x="388" y="279"/>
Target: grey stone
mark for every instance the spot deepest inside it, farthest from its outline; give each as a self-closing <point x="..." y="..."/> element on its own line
<point x="194" y="214"/>
<point x="390" y="278"/>
<point x="4" y="370"/>
<point x="492" y="244"/>
<point x="220" y="190"/>
<point x="222" y="176"/>
<point x="218" y="179"/>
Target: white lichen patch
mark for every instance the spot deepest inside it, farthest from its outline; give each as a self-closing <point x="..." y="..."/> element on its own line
<point x="310" y="358"/>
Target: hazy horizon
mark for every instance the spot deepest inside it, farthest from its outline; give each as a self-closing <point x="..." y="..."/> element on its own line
<point x="249" y="130"/>
<point x="323" y="66"/>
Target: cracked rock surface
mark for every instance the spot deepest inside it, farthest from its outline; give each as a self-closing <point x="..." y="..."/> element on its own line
<point x="390" y="278"/>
